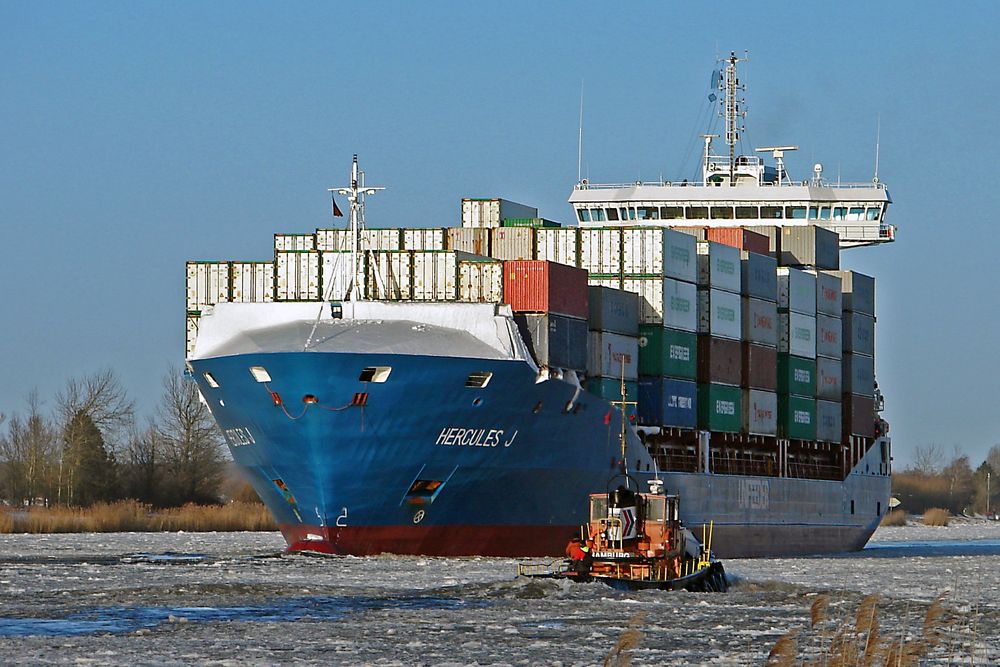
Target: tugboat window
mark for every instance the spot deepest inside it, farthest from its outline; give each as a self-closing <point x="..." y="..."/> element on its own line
<point x="377" y="374"/>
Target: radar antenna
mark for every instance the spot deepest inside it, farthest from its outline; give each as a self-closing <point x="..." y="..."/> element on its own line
<point x="778" y="153"/>
<point x="356" y="194"/>
<point x="733" y="110"/>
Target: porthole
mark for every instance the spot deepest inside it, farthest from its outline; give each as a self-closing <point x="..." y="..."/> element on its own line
<point x="537" y="408"/>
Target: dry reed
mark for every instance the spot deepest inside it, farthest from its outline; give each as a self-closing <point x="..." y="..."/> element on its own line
<point x="936" y="516"/>
<point x="133" y="516"/>
<point x="621" y="653"/>
<point x="894" y="518"/>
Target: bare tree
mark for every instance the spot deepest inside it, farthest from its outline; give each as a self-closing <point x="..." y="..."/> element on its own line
<point x="28" y="451"/>
<point x="192" y="442"/>
<point x="99" y="400"/>
<point x="142" y="464"/>
<point x="928" y="459"/>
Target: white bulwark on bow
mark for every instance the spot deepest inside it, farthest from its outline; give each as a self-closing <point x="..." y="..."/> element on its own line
<point x="741" y="191"/>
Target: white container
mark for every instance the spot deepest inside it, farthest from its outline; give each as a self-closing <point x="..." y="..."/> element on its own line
<point x="797" y="334"/>
<point x="601" y="250"/>
<point x="796" y="290"/>
<point x="340" y="240"/>
<point x="760" y="412"/>
<point x="558" y="245"/>
<point x="432" y="238"/>
<point x="382" y="239"/>
<point x="859" y="333"/>
<point x="480" y="282"/>
<point x="207" y="284"/>
<point x="829" y="297"/>
<point x="337" y="275"/>
<point x="614" y="283"/>
<point x="829" y="379"/>
<point x="492" y="212"/>
<point x="512" y="243"/>
<point x="390" y="276"/>
<point x="642" y="251"/>
<point x="760" y="322"/>
<point x="719" y="314"/>
<point x="651" y="296"/>
<point x="828" y="333"/>
<point x="333" y="240"/>
<point x="474" y="241"/>
<point x="719" y="267"/>
<point x="294" y="242"/>
<point x="859" y="374"/>
<point x="435" y="276"/>
<point x="608" y="354"/>
<point x="253" y="282"/>
<point x="191" y="335"/>
<point x="828" y="421"/>
<point x="297" y="276"/>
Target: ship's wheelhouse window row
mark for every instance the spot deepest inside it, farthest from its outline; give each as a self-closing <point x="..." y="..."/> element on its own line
<point x="856" y="212"/>
<point x="377" y="374"/>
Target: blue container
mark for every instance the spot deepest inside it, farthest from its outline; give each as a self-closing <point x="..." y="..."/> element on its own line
<point x="668" y="402"/>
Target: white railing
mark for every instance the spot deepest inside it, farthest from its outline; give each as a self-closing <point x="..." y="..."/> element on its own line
<point x="672" y="184"/>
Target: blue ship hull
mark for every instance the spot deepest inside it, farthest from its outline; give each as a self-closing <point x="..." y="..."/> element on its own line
<point x="422" y="464"/>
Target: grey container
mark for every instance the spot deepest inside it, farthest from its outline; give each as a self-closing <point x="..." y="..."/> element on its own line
<point x="509" y="243"/>
<point x="760" y="276"/>
<point x="719" y="267"/>
<point x="796" y="291"/>
<point x="829" y="295"/>
<point x="614" y="310"/>
<point x="773" y="235"/>
<point x="809" y="245"/>
<point x="859" y="374"/>
<point x="829" y="379"/>
<point x="828" y="421"/>
<point x="828" y="334"/>
<point x="859" y="333"/>
<point x="760" y="321"/>
<point x="859" y="292"/>
<point x="555" y="340"/>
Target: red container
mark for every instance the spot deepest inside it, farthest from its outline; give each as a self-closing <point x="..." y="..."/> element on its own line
<point x="741" y="238"/>
<point x="859" y="415"/>
<point x="538" y="286"/>
<point x="760" y="367"/>
<point x="719" y="361"/>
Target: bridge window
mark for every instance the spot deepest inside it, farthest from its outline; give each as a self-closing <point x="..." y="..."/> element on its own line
<point x="856" y="213"/>
<point x="671" y="213"/>
<point x="697" y="213"/>
<point x="649" y="213"/>
<point x="583" y="214"/>
<point x="873" y="212"/>
<point x="813" y="212"/>
<point x="839" y="212"/>
<point x="597" y="214"/>
<point x="722" y="213"/>
<point x="770" y="212"/>
<point x="747" y="212"/>
<point x="628" y="213"/>
<point x="824" y="212"/>
<point x="612" y="214"/>
<point x="795" y="212"/>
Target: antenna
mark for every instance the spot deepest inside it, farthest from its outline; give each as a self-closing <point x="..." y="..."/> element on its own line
<point x="356" y="197"/>
<point x="878" y="131"/>
<point x="730" y="86"/>
<point x="579" y="146"/>
<point x="778" y="152"/>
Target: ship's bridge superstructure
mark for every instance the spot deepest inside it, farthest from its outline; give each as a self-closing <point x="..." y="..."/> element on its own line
<point x="741" y="190"/>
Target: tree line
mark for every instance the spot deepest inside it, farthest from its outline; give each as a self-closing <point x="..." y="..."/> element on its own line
<point x="932" y="480"/>
<point x="91" y="448"/>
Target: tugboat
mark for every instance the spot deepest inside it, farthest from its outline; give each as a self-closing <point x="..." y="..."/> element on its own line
<point x="636" y="540"/>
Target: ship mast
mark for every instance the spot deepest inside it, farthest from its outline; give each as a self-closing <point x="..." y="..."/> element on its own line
<point x="733" y="113"/>
<point x="356" y="198"/>
<point x="623" y="406"/>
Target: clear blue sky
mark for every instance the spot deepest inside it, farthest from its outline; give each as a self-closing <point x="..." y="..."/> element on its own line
<point x="134" y="136"/>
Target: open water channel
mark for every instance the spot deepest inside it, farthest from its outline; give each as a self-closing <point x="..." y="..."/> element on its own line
<point x="235" y="599"/>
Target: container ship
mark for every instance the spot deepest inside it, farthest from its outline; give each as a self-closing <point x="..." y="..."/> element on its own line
<point x="458" y="391"/>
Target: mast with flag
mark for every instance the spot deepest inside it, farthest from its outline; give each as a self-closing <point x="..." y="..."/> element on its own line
<point x="356" y="200"/>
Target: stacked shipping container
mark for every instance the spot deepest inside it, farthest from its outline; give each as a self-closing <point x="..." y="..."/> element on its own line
<point x="858" y="334"/>
<point x="796" y="354"/>
<point x="613" y="345"/>
<point x="829" y="304"/>
<point x="760" y="341"/>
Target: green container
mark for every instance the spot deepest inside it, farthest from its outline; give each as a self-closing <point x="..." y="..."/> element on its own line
<point x="797" y="418"/>
<point x="611" y="389"/>
<point x="796" y="376"/>
<point x="720" y="408"/>
<point x="528" y="222"/>
<point x="667" y="352"/>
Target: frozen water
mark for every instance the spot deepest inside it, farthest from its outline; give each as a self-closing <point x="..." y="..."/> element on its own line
<point x="234" y="598"/>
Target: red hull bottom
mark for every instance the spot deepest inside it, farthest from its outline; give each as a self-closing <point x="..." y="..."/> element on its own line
<point x="506" y="541"/>
<point x="743" y="541"/>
